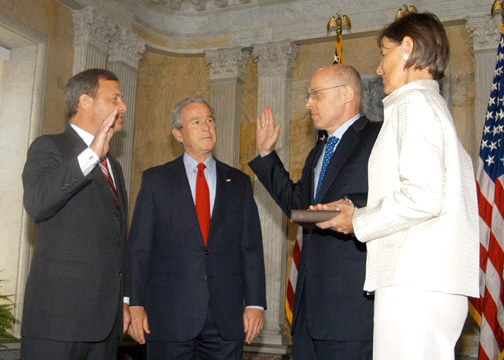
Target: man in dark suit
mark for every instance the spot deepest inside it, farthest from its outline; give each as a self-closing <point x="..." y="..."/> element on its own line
<point x="73" y="306"/>
<point x="195" y="249"/>
<point x="333" y="317"/>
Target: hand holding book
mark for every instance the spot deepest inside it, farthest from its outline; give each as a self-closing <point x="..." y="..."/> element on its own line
<point x="336" y="216"/>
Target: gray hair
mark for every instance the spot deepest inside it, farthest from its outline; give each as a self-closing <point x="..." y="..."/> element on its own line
<point x="176" y="121"/>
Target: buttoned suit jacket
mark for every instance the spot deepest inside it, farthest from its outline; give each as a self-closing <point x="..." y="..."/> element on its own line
<point x="76" y="283"/>
<point x="175" y="277"/>
<point x="332" y="265"/>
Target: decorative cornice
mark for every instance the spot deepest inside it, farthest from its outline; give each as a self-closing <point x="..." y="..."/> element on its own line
<point x="198" y="5"/>
<point x="227" y="63"/>
<point x="275" y="58"/>
<point x="91" y="28"/>
<point x="246" y="22"/>
<point x="484" y="30"/>
<point x="126" y="46"/>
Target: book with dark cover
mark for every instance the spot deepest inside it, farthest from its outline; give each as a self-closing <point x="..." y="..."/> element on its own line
<point x="308" y="218"/>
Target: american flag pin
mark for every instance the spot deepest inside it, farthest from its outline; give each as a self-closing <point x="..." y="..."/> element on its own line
<point x="228" y="180"/>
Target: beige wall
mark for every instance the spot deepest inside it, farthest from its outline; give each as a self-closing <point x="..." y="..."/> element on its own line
<point x="162" y="82"/>
<point x="54" y="21"/>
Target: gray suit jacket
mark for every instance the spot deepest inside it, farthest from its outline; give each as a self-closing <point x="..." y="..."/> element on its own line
<point x="75" y="285"/>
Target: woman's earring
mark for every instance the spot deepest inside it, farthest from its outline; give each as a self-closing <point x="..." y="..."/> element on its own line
<point x="405" y="57"/>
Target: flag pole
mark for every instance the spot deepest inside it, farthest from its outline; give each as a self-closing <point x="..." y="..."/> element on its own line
<point x="337" y="22"/>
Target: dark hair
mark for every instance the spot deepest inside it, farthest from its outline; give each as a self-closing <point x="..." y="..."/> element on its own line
<point x="85" y="82"/>
<point x="176" y="120"/>
<point x="431" y="48"/>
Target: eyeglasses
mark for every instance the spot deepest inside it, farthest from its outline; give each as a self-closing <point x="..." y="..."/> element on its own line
<point x="315" y="93"/>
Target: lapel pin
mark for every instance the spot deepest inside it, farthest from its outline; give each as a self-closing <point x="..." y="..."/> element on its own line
<point x="228" y="180"/>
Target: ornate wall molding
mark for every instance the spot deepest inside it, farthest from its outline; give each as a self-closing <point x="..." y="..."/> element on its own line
<point x="227" y="63"/>
<point x="91" y="28"/>
<point x="126" y="46"/>
<point x="275" y="58"/>
<point x="223" y="23"/>
<point x="484" y="30"/>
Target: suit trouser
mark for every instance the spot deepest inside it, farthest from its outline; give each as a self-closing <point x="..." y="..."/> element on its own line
<point x="208" y="345"/>
<point x="305" y="347"/>
<point x="46" y="349"/>
<point x="416" y="324"/>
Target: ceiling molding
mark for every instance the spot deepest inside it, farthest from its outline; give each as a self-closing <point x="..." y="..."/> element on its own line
<point x="246" y="22"/>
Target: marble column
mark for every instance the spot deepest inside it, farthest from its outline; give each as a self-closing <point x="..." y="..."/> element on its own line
<point x="274" y="69"/>
<point x="91" y="38"/>
<point x="484" y="30"/>
<point x="226" y="84"/>
<point x="126" y="48"/>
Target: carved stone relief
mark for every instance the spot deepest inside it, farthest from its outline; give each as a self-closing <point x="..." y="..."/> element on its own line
<point x="371" y="98"/>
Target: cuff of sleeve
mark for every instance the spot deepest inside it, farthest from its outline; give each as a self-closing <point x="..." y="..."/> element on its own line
<point x="126" y="300"/>
<point x="255" y="307"/>
<point x="87" y="160"/>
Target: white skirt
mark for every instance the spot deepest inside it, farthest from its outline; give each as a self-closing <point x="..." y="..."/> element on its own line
<point x="415" y="324"/>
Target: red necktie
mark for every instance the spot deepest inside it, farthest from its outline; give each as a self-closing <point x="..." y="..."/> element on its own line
<point x="203" y="202"/>
<point x="108" y="179"/>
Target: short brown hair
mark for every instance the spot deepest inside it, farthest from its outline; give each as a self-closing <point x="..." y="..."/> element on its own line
<point x="431" y="48"/>
<point x="85" y="82"/>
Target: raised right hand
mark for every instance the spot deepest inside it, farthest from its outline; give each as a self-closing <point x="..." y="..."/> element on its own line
<point x="139" y="324"/>
<point x="100" y="144"/>
<point x="267" y="133"/>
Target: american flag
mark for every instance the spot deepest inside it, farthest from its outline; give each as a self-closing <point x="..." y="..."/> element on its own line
<point x="293" y="274"/>
<point x="488" y="311"/>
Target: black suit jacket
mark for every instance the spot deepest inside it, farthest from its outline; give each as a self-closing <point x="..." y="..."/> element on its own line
<point x="75" y="285"/>
<point x="332" y="265"/>
<point x="174" y="276"/>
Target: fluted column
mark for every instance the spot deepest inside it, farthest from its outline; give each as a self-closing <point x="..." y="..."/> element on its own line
<point x="485" y="34"/>
<point x="126" y="48"/>
<point x="275" y="75"/>
<point x="226" y="84"/>
<point x="91" y="39"/>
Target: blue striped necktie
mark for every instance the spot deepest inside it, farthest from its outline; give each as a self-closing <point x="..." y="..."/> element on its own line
<point x="331" y="143"/>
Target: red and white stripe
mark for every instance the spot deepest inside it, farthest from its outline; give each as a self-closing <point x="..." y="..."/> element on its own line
<point x="490" y="305"/>
<point x="291" y="285"/>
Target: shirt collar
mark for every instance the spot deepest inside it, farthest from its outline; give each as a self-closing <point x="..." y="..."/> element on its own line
<point x="84" y="135"/>
<point x="413" y="85"/>
<point x="343" y="128"/>
<point x="192" y="165"/>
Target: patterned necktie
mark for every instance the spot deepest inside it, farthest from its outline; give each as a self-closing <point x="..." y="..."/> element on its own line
<point x="331" y="143"/>
<point x="203" y="202"/>
<point x="108" y="179"/>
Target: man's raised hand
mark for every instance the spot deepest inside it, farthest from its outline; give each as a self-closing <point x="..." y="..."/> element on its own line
<point x="267" y="133"/>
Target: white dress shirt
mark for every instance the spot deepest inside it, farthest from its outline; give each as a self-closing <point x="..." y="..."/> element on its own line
<point x="421" y="223"/>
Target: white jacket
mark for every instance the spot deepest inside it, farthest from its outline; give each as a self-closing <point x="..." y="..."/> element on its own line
<point x="421" y="223"/>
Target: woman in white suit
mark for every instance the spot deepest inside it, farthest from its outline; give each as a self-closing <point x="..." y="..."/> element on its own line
<point x="421" y="221"/>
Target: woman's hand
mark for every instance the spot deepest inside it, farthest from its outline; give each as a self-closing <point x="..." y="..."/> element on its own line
<point x="341" y="223"/>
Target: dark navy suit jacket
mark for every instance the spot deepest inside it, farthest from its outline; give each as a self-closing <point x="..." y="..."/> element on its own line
<point x="175" y="277"/>
<point x="332" y="265"/>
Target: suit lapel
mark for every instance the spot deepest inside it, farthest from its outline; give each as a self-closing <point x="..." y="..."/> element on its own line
<point x="221" y="198"/>
<point x="346" y="146"/>
<point x="184" y="200"/>
<point x="119" y="183"/>
<point x="74" y="141"/>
